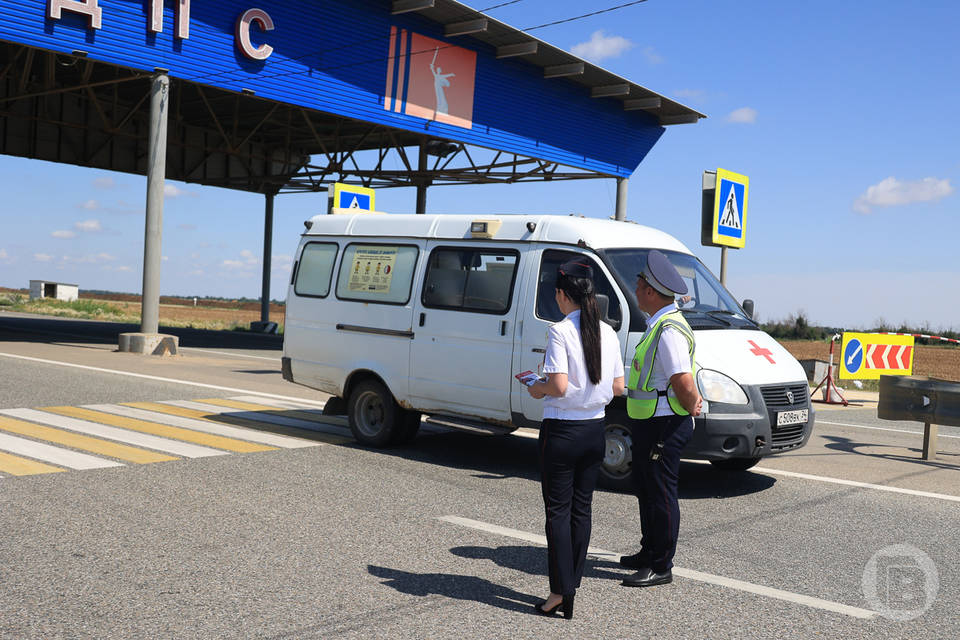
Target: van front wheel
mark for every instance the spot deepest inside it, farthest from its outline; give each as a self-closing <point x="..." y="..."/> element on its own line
<point x="617" y="454"/>
<point x="373" y="414"/>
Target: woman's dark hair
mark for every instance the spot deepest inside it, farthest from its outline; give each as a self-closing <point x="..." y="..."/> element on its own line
<point x="581" y="292"/>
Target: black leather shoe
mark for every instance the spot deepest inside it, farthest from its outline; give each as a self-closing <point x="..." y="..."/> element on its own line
<point x="648" y="578"/>
<point x="635" y="561"/>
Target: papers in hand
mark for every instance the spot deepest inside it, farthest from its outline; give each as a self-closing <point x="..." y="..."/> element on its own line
<point x="528" y="378"/>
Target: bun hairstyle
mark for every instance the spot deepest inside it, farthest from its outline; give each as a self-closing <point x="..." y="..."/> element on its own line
<point x="575" y="279"/>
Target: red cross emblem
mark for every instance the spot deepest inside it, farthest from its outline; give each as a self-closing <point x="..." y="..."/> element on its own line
<point x="760" y="351"/>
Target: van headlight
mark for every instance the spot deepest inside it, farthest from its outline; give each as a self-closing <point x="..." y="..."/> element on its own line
<point x="717" y="387"/>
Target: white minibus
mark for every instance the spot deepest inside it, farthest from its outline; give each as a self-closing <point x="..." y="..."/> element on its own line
<point x="404" y="318"/>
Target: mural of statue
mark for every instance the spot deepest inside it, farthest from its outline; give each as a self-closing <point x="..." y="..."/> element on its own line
<point x="440" y="83"/>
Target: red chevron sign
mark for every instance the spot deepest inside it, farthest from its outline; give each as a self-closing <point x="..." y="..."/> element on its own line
<point x="887" y="356"/>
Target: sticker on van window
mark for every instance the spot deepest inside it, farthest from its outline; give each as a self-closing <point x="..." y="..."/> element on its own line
<point x="373" y="269"/>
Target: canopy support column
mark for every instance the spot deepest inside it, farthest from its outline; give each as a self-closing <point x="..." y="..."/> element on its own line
<point x="422" y="181"/>
<point x="149" y="341"/>
<point x="621" y="212"/>
<point x="267" y="258"/>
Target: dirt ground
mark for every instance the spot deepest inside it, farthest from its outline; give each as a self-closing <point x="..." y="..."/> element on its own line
<point x="931" y="361"/>
<point x="206" y="316"/>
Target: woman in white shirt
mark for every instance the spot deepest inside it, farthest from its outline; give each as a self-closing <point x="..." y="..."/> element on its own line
<point x="584" y="371"/>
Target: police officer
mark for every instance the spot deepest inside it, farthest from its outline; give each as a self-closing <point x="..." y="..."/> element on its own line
<point x="662" y="399"/>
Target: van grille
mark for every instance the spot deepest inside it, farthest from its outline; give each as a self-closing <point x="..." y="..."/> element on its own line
<point x="776" y="397"/>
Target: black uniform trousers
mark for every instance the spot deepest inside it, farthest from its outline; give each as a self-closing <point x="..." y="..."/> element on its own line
<point x="571" y="452"/>
<point x="655" y="485"/>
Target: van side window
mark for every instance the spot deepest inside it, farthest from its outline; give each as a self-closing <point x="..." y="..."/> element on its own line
<point x="316" y="269"/>
<point x="547" y="308"/>
<point x="479" y="280"/>
<point x="377" y="273"/>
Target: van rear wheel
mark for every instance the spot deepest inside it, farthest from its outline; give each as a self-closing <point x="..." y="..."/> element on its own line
<point x="373" y="414"/>
<point x="617" y="453"/>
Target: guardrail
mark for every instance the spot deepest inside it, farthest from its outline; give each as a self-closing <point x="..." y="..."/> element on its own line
<point x="927" y="400"/>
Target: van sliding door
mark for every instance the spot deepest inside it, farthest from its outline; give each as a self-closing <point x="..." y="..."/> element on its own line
<point x="462" y="351"/>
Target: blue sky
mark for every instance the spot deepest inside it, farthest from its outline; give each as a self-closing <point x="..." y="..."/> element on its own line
<point x="842" y="115"/>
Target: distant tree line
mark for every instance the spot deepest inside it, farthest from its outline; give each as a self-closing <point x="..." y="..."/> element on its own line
<point x="797" y="327"/>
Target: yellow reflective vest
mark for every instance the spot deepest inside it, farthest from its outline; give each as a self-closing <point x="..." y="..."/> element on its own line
<point x="641" y="398"/>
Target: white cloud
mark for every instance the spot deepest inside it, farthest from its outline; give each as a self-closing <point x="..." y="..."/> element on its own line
<point x="64" y="234"/>
<point x="601" y="46"/>
<point x="42" y="257"/>
<point x="173" y="191"/>
<point x="89" y="205"/>
<point x="233" y="264"/>
<point x="652" y="56"/>
<point x="891" y="192"/>
<point x="91" y="258"/>
<point x="124" y="269"/>
<point x="689" y="94"/>
<point x="743" y="115"/>
<point x="88" y="225"/>
<point x="105" y="183"/>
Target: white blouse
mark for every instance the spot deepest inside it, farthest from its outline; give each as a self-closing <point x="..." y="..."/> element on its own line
<point x="582" y="400"/>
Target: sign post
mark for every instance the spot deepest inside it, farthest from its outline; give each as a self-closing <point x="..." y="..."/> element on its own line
<point x="724" y="213"/>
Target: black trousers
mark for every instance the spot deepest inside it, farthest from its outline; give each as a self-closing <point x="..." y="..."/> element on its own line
<point x="571" y="452"/>
<point x="655" y="485"/>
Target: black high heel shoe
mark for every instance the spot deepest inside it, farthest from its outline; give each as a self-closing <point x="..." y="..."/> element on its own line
<point x="547" y="612"/>
<point x="566" y="605"/>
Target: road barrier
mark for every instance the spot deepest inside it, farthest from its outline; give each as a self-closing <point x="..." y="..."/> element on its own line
<point x="927" y="400"/>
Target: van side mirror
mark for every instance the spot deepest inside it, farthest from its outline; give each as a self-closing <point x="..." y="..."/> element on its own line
<point x="748" y="307"/>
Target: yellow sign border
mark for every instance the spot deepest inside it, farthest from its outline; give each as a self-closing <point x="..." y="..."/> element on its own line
<point x="863" y="373"/>
<point x="727" y="241"/>
<point x="340" y="187"/>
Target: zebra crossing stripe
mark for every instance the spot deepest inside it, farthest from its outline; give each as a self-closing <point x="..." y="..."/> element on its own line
<point x="53" y="455"/>
<point x="257" y="419"/>
<point x="281" y="441"/>
<point x="174" y="447"/>
<point x="17" y="466"/>
<point x="82" y="442"/>
<point x="310" y="414"/>
<point x="165" y="431"/>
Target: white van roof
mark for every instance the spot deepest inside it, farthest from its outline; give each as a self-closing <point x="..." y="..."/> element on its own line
<point x="598" y="234"/>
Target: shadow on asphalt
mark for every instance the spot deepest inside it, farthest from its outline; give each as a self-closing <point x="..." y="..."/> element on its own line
<point x="847" y="445"/>
<point x="455" y="586"/>
<point x="533" y="560"/>
<point x="48" y="330"/>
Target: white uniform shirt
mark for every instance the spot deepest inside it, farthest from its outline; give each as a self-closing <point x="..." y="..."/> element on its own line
<point x="673" y="357"/>
<point x="582" y="400"/>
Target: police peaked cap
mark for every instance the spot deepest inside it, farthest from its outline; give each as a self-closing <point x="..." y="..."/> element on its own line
<point x="576" y="268"/>
<point x="662" y="275"/>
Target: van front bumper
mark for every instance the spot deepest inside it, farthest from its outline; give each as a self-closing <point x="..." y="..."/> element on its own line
<point x="750" y="430"/>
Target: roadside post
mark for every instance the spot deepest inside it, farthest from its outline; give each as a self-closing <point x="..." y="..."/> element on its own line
<point x="928" y="400"/>
<point x="723" y="216"/>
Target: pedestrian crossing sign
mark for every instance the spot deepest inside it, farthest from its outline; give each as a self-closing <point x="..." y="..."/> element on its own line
<point x="730" y="209"/>
<point x="348" y="196"/>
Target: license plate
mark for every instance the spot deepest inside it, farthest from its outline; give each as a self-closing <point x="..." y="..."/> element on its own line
<point x="791" y="417"/>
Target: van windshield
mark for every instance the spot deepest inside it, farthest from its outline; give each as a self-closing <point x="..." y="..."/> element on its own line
<point x="706" y="305"/>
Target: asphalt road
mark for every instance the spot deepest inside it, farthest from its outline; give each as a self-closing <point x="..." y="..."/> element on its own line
<point x="441" y="538"/>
